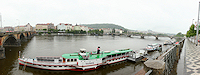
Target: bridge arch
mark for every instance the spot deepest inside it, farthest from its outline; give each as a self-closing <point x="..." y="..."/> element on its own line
<point x="10" y="40"/>
<point x="23" y="37"/>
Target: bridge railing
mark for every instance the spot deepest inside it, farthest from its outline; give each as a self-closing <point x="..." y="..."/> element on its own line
<point x="15" y="32"/>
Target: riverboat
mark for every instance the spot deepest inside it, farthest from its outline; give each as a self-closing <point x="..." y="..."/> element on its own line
<point x="153" y="47"/>
<point x="168" y="42"/>
<point x="138" y="55"/>
<point x="79" y="61"/>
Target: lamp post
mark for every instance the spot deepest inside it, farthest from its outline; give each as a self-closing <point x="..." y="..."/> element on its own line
<point x="192" y="21"/>
<point x="197" y="37"/>
<point x="18" y="22"/>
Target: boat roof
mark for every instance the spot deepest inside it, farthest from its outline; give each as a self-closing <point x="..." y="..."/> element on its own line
<point x="94" y="55"/>
<point x="153" y="44"/>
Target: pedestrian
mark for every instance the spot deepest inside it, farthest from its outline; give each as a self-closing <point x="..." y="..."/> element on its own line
<point x="98" y="50"/>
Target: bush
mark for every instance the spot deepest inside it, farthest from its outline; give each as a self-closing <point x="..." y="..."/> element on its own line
<point x="49" y="32"/>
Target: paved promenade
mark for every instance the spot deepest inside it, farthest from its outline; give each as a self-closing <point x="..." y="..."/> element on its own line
<point x="192" y="58"/>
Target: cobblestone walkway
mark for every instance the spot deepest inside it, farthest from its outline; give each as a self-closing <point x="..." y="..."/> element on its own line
<point x="192" y="58"/>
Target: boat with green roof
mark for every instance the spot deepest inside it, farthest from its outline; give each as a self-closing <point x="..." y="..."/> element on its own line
<point x="79" y="61"/>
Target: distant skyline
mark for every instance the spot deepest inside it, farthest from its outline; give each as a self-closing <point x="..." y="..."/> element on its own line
<point x="170" y="16"/>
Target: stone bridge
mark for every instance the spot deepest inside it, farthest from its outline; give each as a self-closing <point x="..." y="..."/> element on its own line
<point x="156" y="36"/>
<point x="15" y="38"/>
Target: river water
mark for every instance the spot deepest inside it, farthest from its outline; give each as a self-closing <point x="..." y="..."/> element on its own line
<point x="58" y="45"/>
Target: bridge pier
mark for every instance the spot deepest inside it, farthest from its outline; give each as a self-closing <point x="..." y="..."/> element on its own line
<point x="2" y="53"/>
<point x="29" y="37"/>
<point x="156" y="37"/>
<point x="24" y="40"/>
<point x="171" y="37"/>
<point x="142" y="37"/>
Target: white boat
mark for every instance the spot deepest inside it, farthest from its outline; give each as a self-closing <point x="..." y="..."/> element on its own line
<point x="169" y="42"/>
<point x="137" y="55"/>
<point x="153" y="47"/>
<point x="81" y="61"/>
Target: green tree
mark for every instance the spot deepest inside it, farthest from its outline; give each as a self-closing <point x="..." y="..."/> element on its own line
<point x="191" y="32"/>
<point x="44" y="29"/>
<point x="113" y="30"/>
<point x="49" y="32"/>
<point x="179" y="35"/>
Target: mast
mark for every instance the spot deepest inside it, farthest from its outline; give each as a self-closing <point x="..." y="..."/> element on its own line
<point x="197" y="37"/>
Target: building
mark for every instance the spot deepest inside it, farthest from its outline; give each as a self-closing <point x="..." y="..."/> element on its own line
<point x="118" y="31"/>
<point x="61" y="26"/>
<point x="19" y="28"/>
<point x="27" y="27"/>
<point x="77" y="27"/>
<point x="8" y="29"/>
<point x="68" y="27"/>
<point x="48" y="26"/>
<point x="84" y="28"/>
<point x="40" y="27"/>
<point x="107" y="30"/>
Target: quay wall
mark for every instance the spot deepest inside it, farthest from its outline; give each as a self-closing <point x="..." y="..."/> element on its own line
<point x="167" y="61"/>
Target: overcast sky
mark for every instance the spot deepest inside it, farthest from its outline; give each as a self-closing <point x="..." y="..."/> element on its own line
<point x="169" y="16"/>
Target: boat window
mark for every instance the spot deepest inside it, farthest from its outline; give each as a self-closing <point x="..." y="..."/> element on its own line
<point x="71" y="60"/>
<point x="49" y="66"/>
<point x="65" y="66"/>
<point x="109" y="56"/>
<point x="75" y="59"/>
<point x="39" y="65"/>
<point x="118" y="54"/>
<point x="60" y="60"/>
<point x="68" y="60"/>
<point x="55" y="66"/>
<point x="60" y="66"/>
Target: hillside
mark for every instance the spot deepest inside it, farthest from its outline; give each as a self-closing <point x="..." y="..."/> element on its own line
<point x="104" y="25"/>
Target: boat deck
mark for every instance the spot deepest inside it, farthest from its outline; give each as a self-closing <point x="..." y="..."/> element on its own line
<point x="94" y="55"/>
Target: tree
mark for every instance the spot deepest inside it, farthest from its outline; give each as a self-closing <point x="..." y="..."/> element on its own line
<point x="113" y="30"/>
<point x="125" y="31"/>
<point x="44" y="29"/>
<point x="179" y="35"/>
<point x="191" y="32"/>
<point x="49" y="32"/>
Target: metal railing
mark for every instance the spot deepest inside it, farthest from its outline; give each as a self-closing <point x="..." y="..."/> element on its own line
<point x="170" y="57"/>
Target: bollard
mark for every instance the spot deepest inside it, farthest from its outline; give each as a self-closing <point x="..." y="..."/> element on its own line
<point x="157" y="67"/>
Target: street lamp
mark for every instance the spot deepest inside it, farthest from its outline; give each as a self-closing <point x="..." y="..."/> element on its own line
<point x="18" y="22"/>
<point x="197" y="37"/>
<point x="192" y="21"/>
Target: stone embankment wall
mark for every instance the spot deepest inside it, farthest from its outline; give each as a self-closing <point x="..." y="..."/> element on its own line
<point x="165" y="63"/>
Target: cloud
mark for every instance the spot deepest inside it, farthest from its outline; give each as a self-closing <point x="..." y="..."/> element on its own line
<point x="162" y="16"/>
